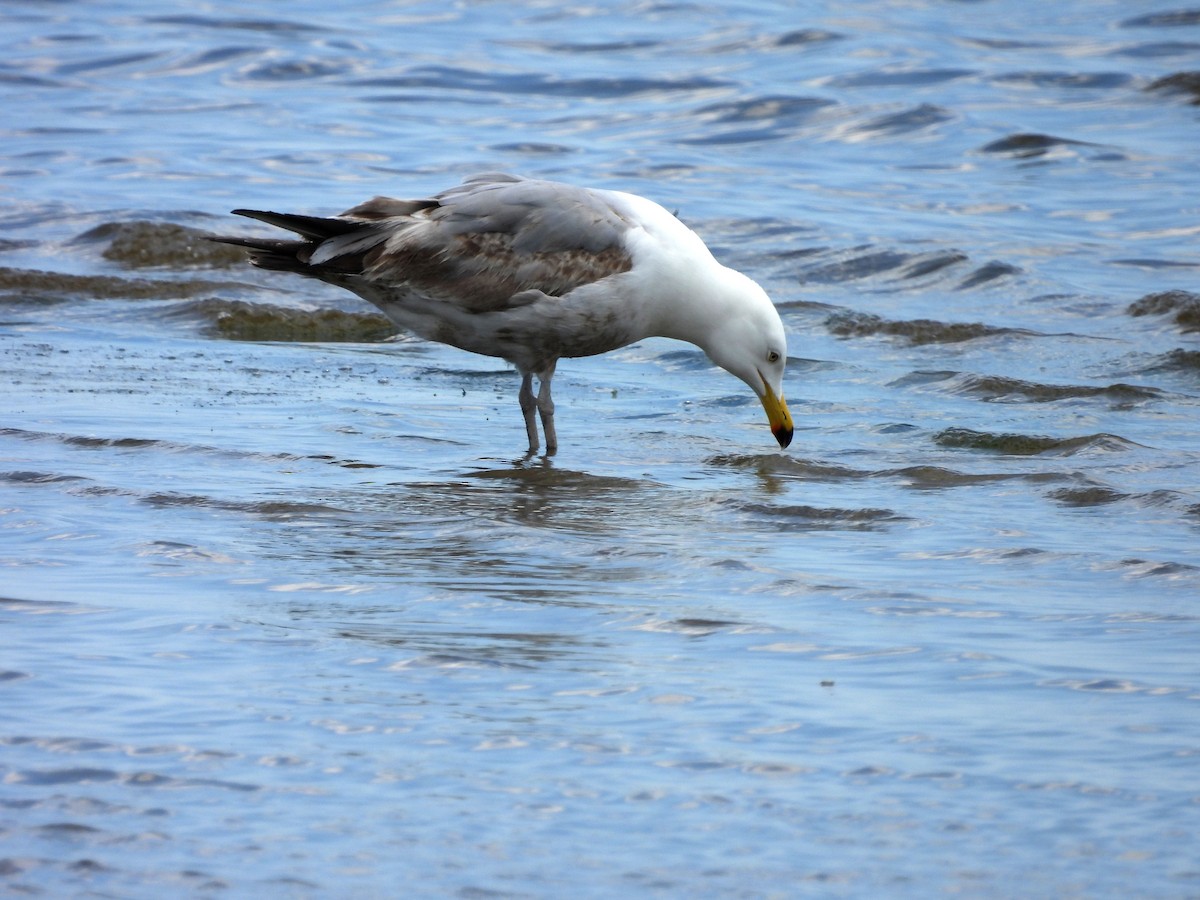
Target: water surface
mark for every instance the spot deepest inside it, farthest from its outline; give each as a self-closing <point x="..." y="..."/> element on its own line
<point x="289" y="614"/>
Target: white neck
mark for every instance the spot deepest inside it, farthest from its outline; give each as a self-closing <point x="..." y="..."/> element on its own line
<point x="692" y="290"/>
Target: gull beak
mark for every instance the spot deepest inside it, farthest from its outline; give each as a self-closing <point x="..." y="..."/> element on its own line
<point x="777" y="414"/>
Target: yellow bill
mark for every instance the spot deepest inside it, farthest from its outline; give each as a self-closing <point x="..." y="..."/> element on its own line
<point x="777" y="414"/>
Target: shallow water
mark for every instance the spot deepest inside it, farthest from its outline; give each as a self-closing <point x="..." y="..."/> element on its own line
<point x="287" y="614"/>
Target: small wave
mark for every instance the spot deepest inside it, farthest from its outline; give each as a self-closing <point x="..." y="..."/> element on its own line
<point x="1028" y="444"/>
<point x="23" y="285"/>
<point x="443" y="660"/>
<point x="95" y="443"/>
<point x="988" y="272"/>
<point x="1183" y="306"/>
<point x="861" y="263"/>
<point x="1179" y="83"/>
<point x="1147" y="568"/>
<point x="89" y="775"/>
<point x="683" y="361"/>
<point x="1070" y="80"/>
<point x="293" y="70"/>
<point x="1148" y="263"/>
<point x="573" y="47"/>
<point x="803" y="37"/>
<point x="1177" y="360"/>
<point x="276" y="26"/>
<point x="923" y="477"/>
<point x="271" y="509"/>
<point x="579" y="483"/>
<point x="208" y="60"/>
<point x="755" y="119"/>
<point x="175" y="551"/>
<point x="534" y="148"/>
<point x="691" y="627"/>
<point x="929" y="263"/>
<point x="1171" y="19"/>
<point x="20" y="80"/>
<point x="916" y="118"/>
<point x="1028" y="145"/>
<point x="868" y="262"/>
<point x="792" y="466"/>
<point x="1104" y="686"/>
<point x="1001" y="388"/>
<point x="799" y="39"/>
<point x="69" y="775"/>
<point x="1091" y="495"/>
<point x="1159" y="49"/>
<point x="917" y="331"/>
<point x="145" y="245"/>
<point x="804" y="517"/>
<point x="933" y="477"/>
<point x="116" y="61"/>
<point x="1145" y="617"/>
<point x="899" y="76"/>
<point x="12" y="605"/>
<point x="459" y="79"/>
<point x="239" y="320"/>
<point x="24" y="477"/>
<point x="89" y="442"/>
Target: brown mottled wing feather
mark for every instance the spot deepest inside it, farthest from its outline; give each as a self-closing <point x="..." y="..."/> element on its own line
<point x="386" y="208"/>
<point x="484" y="243"/>
<point x="483" y="246"/>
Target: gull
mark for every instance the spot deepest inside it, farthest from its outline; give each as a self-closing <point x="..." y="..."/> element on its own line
<point x="533" y="271"/>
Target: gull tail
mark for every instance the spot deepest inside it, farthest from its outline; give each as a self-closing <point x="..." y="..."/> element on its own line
<point x="328" y="246"/>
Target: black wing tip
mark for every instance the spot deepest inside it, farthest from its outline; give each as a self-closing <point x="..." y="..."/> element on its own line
<point x="312" y="228"/>
<point x="229" y="239"/>
<point x="274" y="255"/>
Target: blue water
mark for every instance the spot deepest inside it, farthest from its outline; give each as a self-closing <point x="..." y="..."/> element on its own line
<point x="287" y="613"/>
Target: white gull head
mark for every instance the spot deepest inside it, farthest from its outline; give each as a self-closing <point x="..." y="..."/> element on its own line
<point x="723" y="312"/>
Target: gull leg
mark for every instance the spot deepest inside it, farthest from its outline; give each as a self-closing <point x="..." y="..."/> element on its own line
<point x="528" y="405"/>
<point x="545" y="406"/>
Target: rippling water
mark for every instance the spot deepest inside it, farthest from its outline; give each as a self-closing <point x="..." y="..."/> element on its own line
<point x="286" y="613"/>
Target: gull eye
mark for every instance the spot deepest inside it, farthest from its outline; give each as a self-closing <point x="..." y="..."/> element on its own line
<point x="773" y="356"/>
